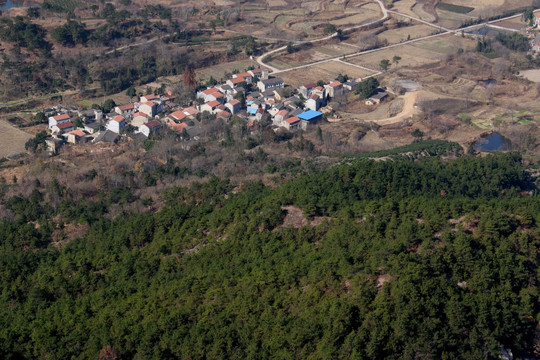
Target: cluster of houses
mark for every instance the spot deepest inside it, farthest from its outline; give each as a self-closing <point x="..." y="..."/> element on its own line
<point x="250" y="96"/>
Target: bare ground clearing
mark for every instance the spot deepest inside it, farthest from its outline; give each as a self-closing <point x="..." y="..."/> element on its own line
<point x="12" y="140"/>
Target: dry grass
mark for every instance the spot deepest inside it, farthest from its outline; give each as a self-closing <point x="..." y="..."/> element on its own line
<point x="218" y="71"/>
<point x="326" y="72"/>
<point x="12" y="140"/>
<point x="395" y="36"/>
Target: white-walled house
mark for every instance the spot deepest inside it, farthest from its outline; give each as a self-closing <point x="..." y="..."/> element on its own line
<point x="116" y="124"/>
<point x="280" y="117"/>
<point x="270" y="84"/>
<point x="233" y="106"/>
<point x="151" y="127"/>
<point x="125" y="109"/>
<point x="335" y="88"/>
<point x="58" y="119"/>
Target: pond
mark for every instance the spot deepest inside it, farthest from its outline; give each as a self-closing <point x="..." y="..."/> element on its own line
<point x="489" y="82"/>
<point x="493" y="142"/>
<point x="15" y="4"/>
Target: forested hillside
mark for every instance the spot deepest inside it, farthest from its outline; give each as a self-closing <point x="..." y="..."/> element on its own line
<point x="409" y="260"/>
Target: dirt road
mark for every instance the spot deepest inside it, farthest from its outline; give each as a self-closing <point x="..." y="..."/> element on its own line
<point x="409" y="101"/>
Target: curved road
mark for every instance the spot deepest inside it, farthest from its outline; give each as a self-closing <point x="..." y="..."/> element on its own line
<point x="275" y="70"/>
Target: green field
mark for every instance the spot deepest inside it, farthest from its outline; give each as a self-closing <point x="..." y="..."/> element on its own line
<point x="455" y="8"/>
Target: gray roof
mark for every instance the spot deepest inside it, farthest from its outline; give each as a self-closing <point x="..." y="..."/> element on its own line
<point x="379" y="96"/>
<point x="106" y="136"/>
<point x="272" y="81"/>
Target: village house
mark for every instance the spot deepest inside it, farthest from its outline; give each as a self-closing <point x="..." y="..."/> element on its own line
<point x="224" y="115"/>
<point x="280" y="117"/>
<point x="116" y="124"/>
<point x="178" y="115"/>
<point x="149" y="108"/>
<point x="151" y="127"/>
<point x="191" y="111"/>
<point x="58" y="119"/>
<point x="335" y="88"/>
<point x="92" y="127"/>
<point x="91" y="115"/>
<point x="291" y="123"/>
<point x="350" y="85"/>
<point x="216" y="96"/>
<point x="248" y="78"/>
<point x="62" y="127"/>
<point x="537" y="20"/>
<point x="125" y="110"/>
<point x="536" y="43"/>
<point x="376" y="99"/>
<point x="309" y="117"/>
<point x="209" y="106"/>
<point x="203" y="94"/>
<point x="177" y="127"/>
<point x="305" y="90"/>
<point x="75" y="136"/>
<point x="314" y="102"/>
<point x="235" y="81"/>
<point x="234" y="106"/>
<point x="139" y="118"/>
<point x="106" y="136"/>
<point x="270" y="84"/>
<point x="261" y="74"/>
<point x="150" y="97"/>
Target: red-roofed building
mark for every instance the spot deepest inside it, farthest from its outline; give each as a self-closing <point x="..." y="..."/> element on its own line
<point x="234" y="82"/>
<point x="124" y="109"/>
<point x="178" y="115"/>
<point x="177" y="127"/>
<point x="58" y="119"/>
<point x="139" y="118"/>
<point x="225" y="115"/>
<point x="151" y="127"/>
<point x="75" y="136"/>
<point x="280" y="117"/>
<point x="335" y="88"/>
<point x="245" y="75"/>
<point x="234" y="106"/>
<point x="149" y="97"/>
<point x="291" y="123"/>
<point x="63" y="127"/>
<point x="149" y="108"/>
<point x="116" y="124"/>
<point x="191" y="111"/>
<point x="210" y="106"/>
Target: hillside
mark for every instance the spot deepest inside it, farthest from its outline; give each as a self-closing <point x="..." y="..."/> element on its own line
<point x="401" y="259"/>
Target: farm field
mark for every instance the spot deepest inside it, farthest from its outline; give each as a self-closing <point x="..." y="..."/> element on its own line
<point x="531" y="75"/>
<point x="396" y="36"/>
<point x="327" y="71"/>
<point x="404" y="7"/>
<point x="411" y="56"/>
<point x="12" y="140"/>
<point x="446" y="44"/>
<point x="218" y="71"/>
<point x="314" y="54"/>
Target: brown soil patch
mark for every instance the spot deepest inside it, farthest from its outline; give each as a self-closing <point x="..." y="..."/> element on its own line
<point x="61" y="237"/>
<point x="382" y="279"/>
<point x="294" y="217"/>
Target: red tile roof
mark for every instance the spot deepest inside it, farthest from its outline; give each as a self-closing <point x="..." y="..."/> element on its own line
<point x="126" y="107"/>
<point x="319" y="88"/>
<point x="77" y="132"/>
<point x="213" y="103"/>
<point x="234" y="102"/>
<point x="150" y="97"/>
<point x="209" y="91"/>
<point x="224" y="114"/>
<point x="238" y="80"/>
<point x="292" y="120"/>
<point x="153" y="124"/>
<point x="178" y="115"/>
<point x="243" y="75"/>
<point x="118" y="118"/>
<point x="61" y="117"/>
<point x="65" y="125"/>
<point x="217" y="94"/>
<point x="191" y="111"/>
<point x="310" y="85"/>
<point x="177" y="127"/>
<point x="140" y="114"/>
<point x="257" y="71"/>
<point x="335" y="83"/>
<point x="148" y="103"/>
<point x="282" y="113"/>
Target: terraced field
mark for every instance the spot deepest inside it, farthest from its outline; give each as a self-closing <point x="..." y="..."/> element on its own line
<point x="12" y="140"/>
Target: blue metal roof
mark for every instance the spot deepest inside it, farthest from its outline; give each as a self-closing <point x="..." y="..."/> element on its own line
<point x="309" y="115"/>
<point x="251" y="110"/>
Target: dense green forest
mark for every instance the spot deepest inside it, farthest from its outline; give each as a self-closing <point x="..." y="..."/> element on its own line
<point x="410" y="260"/>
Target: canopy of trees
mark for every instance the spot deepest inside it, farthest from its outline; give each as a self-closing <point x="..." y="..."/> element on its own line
<point x="429" y="259"/>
